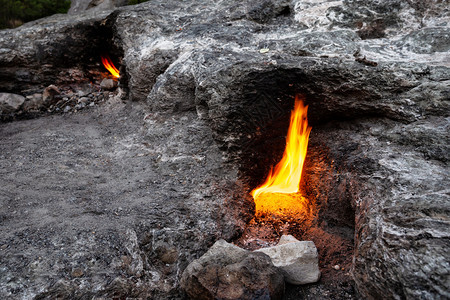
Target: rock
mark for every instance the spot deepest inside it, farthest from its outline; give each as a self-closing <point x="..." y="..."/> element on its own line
<point x="83" y="100"/>
<point x="226" y="271"/>
<point x="286" y="239"/>
<point x="33" y="102"/>
<point x="77" y="272"/>
<point x="10" y="103"/>
<point x="297" y="259"/>
<point x="266" y="10"/>
<point x="80" y="6"/>
<point x="108" y="84"/>
<point x="49" y="94"/>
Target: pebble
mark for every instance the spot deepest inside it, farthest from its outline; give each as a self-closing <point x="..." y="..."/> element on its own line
<point x="336" y="267"/>
<point x="68" y="101"/>
<point x="77" y="272"/>
<point x="108" y="84"/>
<point x="83" y="100"/>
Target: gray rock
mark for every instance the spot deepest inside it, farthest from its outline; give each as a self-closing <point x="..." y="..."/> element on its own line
<point x="266" y="10"/>
<point x="10" y="103"/>
<point x="229" y="272"/>
<point x="83" y="100"/>
<point x="108" y="84"/>
<point x="33" y="102"/>
<point x="297" y="259"/>
<point x="286" y="239"/>
<point x="80" y="6"/>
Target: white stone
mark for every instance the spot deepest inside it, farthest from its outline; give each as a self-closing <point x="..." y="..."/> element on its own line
<point x="287" y="238"/>
<point x="297" y="259"/>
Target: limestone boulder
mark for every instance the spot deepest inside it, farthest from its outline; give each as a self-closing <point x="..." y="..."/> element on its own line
<point x="297" y="259"/>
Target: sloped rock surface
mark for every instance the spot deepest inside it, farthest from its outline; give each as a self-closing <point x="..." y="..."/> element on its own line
<point x="375" y="75"/>
<point x="104" y="204"/>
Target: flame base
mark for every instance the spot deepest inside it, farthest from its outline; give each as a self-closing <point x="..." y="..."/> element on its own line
<point x="281" y="205"/>
<point x="279" y="193"/>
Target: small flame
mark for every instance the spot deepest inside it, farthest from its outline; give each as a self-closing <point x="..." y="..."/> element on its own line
<point x="110" y="66"/>
<point x="285" y="177"/>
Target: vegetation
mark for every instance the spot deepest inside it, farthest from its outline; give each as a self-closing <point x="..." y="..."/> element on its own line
<point x="13" y="13"/>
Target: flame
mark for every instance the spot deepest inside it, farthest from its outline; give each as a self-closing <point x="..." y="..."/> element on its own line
<point x="285" y="177"/>
<point x="110" y="66"/>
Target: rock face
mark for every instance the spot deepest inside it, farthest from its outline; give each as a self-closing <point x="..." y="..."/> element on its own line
<point x="376" y="77"/>
<point x="229" y="272"/>
<point x="297" y="259"/>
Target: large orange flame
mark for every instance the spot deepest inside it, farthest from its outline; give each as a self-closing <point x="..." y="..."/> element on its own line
<point x="285" y="177"/>
<point x="110" y="66"/>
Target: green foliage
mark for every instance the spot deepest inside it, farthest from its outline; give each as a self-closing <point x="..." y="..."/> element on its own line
<point x="16" y="12"/>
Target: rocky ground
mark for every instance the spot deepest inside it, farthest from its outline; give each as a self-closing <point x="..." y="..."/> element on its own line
<point x="103" y="206"/>
<point x="117" y="199"/>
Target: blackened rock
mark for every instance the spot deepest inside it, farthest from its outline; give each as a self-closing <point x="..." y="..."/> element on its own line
<point x="264" y="11"/>
<point x="229" y="272"/>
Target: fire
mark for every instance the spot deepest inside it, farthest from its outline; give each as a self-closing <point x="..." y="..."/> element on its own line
<point x="278" y="193"/>
<point x="110" y="66"/>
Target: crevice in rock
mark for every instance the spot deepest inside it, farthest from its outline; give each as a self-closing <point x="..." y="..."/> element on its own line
<point x="73" y="56"/>
<point x="65" y="73"/>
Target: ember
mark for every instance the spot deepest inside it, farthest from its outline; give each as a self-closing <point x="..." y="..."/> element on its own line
<point x="279" y="193"/>
<point x="110" y="66"/>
